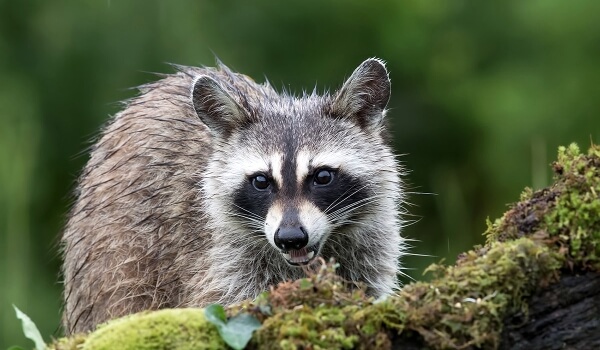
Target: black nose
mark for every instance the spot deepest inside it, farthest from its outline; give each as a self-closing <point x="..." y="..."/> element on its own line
<point x="288" y="238"/>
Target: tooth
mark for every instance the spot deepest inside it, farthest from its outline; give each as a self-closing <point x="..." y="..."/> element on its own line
<point x="310" y="255"/>
<point x="287" y="256"/>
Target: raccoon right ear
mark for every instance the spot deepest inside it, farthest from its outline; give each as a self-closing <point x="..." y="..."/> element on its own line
<point x="216" y="108"/>
<point x="364" y="96"/>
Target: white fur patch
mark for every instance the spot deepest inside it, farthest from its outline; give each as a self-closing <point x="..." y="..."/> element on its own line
<point x="314" y="222"/>
<point x="276" y="167"/>
<point x="245" y="164"/>
<point x="331" y="159"/>
<point x="348" y="159"/>
<point x="252" y="165"/>
<point x="272" y="222"/>
<point x="335" y="159"/>
<point x="302" y="165"/>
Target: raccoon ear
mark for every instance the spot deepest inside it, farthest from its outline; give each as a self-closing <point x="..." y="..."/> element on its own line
<point x="364" y="96"/>
<point x="216" y="108"/>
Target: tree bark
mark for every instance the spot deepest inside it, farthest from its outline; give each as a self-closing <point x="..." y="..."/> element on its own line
<point x="565" y="315"/>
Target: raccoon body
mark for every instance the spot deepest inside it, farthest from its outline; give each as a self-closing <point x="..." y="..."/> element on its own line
<point x="209" y="187"/>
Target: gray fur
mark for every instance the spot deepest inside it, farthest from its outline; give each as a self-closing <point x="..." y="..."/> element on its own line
<point x="153" y="225"/>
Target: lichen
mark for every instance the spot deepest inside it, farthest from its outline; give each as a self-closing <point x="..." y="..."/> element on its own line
<point x="548" y="232"/>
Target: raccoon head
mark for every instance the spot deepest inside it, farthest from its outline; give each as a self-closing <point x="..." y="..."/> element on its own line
<point x="298" y="171"/>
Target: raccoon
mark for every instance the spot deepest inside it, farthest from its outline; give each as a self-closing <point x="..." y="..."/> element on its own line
<point x="209" y="187"/>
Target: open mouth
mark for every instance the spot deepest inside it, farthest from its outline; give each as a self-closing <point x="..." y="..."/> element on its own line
<point x="301" y="256"/>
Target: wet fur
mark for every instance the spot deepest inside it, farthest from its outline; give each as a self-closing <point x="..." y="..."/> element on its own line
<point x="153" y="224"/>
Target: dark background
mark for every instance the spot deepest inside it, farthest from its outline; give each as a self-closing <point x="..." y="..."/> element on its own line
<point x="482" y="95"/>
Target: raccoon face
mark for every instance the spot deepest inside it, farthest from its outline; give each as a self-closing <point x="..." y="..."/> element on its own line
<point x="313" y="201"/>
<point x="298" y="170"/>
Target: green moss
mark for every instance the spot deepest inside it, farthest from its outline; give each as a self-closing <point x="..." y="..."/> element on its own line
<point x="72" y="343"/>
<point x="164" y="329"/>
<point x="317" y="311"/>
<point x="565" y="216"/>
<point x="546" y="233"/>
<point x="466" y="304"/>
<point x="323" y="327"/>
<point x="575" y="221"/>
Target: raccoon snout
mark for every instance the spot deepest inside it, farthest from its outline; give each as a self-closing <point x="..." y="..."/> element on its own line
<point x="290" y="238"/>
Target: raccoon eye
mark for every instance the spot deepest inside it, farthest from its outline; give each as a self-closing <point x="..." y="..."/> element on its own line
<point x="260" y="182"/>
<point x="323" y="177"/>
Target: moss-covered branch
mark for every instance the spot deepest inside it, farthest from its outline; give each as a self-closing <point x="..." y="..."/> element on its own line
<point x="492" y="297"/>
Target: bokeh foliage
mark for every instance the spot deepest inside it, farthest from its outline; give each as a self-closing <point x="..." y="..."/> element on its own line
<point x="483" y="93"/>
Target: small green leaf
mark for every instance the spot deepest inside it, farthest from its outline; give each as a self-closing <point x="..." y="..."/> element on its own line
<point x="239" y="329"/>
<point x="30" y="330"/>
<point x="262" y="301"/>
<point x="15" y="347"/>
<point x="265" y="309"/>
<point x="215" y="314"/>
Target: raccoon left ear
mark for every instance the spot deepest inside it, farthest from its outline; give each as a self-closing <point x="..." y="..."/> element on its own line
<point x="216" y="107"/>
<point x="364" y="96"/>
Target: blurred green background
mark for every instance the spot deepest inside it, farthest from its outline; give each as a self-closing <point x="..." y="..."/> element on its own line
<point x="483" y="93"/>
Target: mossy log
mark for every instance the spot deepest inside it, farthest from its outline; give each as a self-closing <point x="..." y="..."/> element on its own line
<point x="535" y="284"/>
